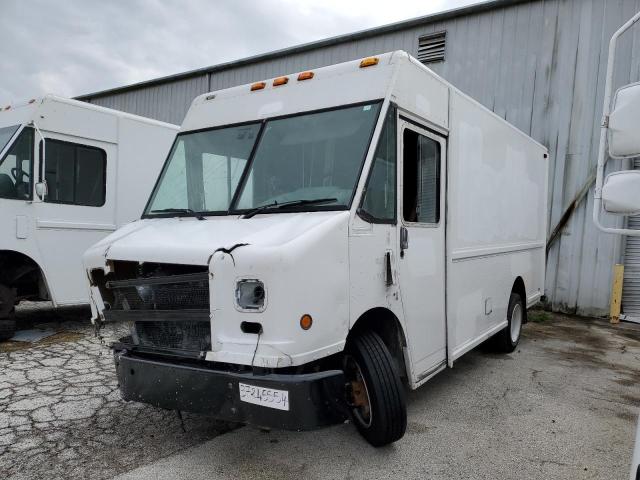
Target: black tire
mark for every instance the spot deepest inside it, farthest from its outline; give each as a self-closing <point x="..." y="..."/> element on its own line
<point x="7" y="329"/>
<point x="7" y="313"/>
<point x="387" y="420"/>
<point x="504" y="341"/>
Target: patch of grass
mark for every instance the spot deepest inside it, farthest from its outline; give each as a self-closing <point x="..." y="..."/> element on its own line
<point x="538" y="316"/>
<point x="8" y="347"/>
<point x="61" y="337"/>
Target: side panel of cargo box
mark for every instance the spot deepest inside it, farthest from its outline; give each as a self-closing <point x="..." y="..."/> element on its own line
<point x="496" y="221"/>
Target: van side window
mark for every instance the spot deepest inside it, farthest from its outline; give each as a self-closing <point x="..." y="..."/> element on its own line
<point x="421" y="178"/>
<point x="379" y="202"/>
<point x="75" y="174"/>
<point x="16" y="167"/>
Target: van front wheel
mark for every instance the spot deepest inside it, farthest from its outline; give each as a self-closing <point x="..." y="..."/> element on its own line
<point x="7" y="313"/>
<point x="376" y="395"/>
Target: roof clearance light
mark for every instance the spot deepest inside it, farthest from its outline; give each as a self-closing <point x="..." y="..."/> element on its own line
<point x="258" y="86"/>
<point x="280" y="81"/>
<point x="305" y="76"/>
<point x="369" y="62"/>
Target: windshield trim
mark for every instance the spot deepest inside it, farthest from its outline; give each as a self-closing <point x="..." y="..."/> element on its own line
<point x="245" y="172"/>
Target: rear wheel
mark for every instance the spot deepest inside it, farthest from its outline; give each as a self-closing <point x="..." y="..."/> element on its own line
<point x="507" y="339"/>
<point x="377" y="397"/>
<point x="7" y="313"/>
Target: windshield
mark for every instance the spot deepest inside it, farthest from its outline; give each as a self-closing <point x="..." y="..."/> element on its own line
<point x="6" y="133"/>
<point x="312" y="156"/>
<point x="16" y="167"/>
<point x="203" y="170"/>
<point x="308" y="157"/>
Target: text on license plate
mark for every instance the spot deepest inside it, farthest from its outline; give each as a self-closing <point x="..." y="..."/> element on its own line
<point x="267" y="397"/>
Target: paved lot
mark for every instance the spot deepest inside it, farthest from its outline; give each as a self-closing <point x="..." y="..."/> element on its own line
<point x="562" y="406"/>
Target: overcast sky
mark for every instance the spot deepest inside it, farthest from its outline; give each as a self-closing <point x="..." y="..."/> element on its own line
<point x="73" y="47"/>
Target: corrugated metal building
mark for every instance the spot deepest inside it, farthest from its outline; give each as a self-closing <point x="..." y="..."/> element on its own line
<point x="540" y="64"/>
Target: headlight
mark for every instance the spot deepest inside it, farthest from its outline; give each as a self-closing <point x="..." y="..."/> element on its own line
<point x="250" y="295"/>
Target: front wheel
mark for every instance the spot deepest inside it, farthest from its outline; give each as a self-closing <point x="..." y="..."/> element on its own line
<point x="376" y="394"/>
<point x="7" y="313"/>
<point x="507" y="339"/>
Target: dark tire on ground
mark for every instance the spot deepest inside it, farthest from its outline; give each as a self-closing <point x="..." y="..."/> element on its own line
<point x="506" y="340"/>
<point x="387" y="409"/>
<point x="7" y="313"/>
<point x="7" y="329"/>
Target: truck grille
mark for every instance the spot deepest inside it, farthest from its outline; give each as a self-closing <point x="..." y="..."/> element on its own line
<point x="183" y="335"/>
<point x="174" y="292"/>
<point x="166" y="312"/>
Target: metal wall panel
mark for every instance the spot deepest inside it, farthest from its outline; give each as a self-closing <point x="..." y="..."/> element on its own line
<point x="540" y="65"/>
<point x="631" y="285"/>
<point x="167" y="102"/>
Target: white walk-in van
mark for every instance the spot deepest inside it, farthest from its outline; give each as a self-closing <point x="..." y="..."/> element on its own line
<point x="70" y="174"/>
<point x="317" y="241"/>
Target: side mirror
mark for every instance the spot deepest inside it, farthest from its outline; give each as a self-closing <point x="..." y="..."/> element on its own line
<point x="624" y="136"/>
<point x="41" y="189"/>
<point x="621" y="193"/>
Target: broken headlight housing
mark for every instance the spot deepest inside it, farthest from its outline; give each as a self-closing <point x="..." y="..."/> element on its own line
<point x="250" y="295"/>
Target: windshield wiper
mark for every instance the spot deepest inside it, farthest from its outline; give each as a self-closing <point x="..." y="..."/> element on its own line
<point x="179" y="210"/>
<point x="293" y="203"/>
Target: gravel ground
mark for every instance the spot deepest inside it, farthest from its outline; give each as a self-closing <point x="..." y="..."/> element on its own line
<point x="562" y="406"/>
<point x="61" y="415"/>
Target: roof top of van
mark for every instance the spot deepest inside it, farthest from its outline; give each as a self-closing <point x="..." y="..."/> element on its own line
<point x="24" y="112"/>
<point x="332" y="86"/>
<point x="396" y="76"/>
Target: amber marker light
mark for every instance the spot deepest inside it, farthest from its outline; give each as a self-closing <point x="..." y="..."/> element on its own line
<point x="306" y="321"/>
<point x="258" y="86"/>
<point x="369" y="62"/>
<point x="305" y="76"/>
<point x="280" y="81"/>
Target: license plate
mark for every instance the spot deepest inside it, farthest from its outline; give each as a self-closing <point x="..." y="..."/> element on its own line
<point x="266" y="397"/>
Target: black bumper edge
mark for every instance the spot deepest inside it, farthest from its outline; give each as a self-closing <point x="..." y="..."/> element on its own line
<point x="314" y="400"/>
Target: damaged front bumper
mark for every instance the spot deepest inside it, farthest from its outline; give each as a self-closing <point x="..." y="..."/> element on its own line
<point x="313" y="400"/>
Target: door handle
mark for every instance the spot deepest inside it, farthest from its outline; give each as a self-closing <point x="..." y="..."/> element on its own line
<point x="404" y="240"/>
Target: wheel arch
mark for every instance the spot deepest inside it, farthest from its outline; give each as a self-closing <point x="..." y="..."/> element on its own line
<point x="520" y="289"/>
<point x="21" y="271"/>
<point x="386" y="324"/>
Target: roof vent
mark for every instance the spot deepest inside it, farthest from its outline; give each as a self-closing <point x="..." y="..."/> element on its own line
<point x="431" y="47"/>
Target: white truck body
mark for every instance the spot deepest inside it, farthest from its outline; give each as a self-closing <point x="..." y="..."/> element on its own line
<point x="101" y="166"/>
<point x="443" y="281"/>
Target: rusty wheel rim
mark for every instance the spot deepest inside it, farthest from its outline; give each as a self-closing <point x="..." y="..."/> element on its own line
<point x="359" y="398"/>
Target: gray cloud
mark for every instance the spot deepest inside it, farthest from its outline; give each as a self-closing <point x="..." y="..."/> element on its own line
<point x="74" y="46"/>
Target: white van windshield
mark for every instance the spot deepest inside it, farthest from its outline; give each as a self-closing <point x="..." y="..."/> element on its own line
<point x="310" y="161"/>
<point x="6" y="133"/>
<point x="203" y="171"/>
<point x="309" y="157"/>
